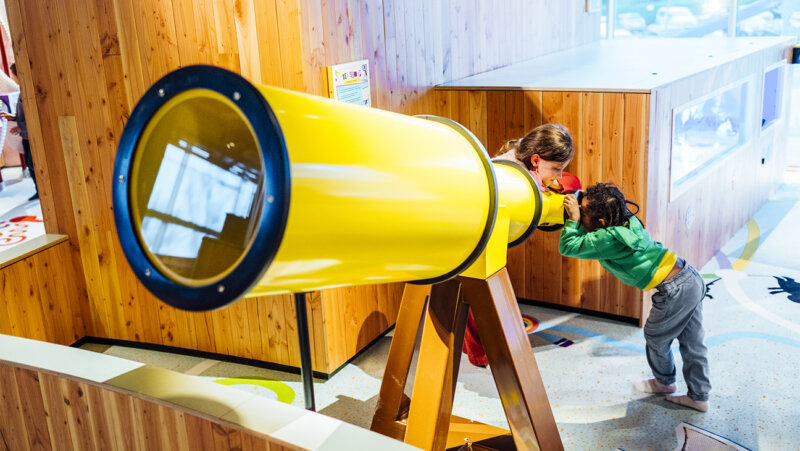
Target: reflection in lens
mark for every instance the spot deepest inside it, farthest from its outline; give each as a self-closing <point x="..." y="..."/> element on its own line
<point x="197" y="201"/>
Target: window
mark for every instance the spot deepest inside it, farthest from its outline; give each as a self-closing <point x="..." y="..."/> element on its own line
<point x="697" y="18"/>
<point x="705" y="130"/>
<point x="771" y="104"/>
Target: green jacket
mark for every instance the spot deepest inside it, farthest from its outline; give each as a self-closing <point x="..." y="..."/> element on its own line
<point x="627" y="252"/>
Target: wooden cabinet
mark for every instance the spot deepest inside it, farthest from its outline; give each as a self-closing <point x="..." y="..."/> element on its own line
<point x="618" y="99"/>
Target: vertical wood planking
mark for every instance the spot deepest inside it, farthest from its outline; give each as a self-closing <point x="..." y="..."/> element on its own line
<point x="13" y="430"/>
<point x="549" y="258"/>
<point x="268" y="35"/>
<point x="224" y="29"/>
<point x="375" y="50"/>
<point x="102" y="317"/>
<point x="56" y="408"/>
<point x="290" y="31"/>
<point x="248" y="40"/>
<point x="392" y="54"/>
<point x="37" y="108"/>
<point x="42" y="110"/>
<point x="571" y="268"/>
<point x="613" y="162"/>
<point x="85" y="65"/>
<point x="589" y="149"/>
<point x="157" y="38"/>
<point x="596" y="124"/>
<point x="319" y="354"/>
<point x="515" y="129"/>
<point x="33" y="409"/>
<point x="533" y="287"/>
<point x="48" y="411"/>
<point x="23" y="320"/>
<point x="313" y="48"/>
<point x="335" y="319"/>
<point x="496" y="117"/>
<point x="478" y="116"/>
<point x="636" y="129"/>
<point x="404" y="72"/>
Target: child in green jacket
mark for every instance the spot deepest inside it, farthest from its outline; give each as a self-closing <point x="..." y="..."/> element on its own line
<point x="602" y="228"/>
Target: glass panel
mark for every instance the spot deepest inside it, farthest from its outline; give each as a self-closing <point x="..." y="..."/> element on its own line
<point x="196" y="176"/>
<point x="705" y="130"/>
<point x="670" y="18"/>
<point x="773" y="93"/>
<point x="762" y="18"/>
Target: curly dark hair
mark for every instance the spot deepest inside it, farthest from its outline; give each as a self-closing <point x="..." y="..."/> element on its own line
<point x="606" y="206"/>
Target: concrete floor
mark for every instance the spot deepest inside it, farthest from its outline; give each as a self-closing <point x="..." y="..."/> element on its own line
<point x="752" y="332"/>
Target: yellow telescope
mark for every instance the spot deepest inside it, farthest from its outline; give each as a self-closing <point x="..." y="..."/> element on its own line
<point x="224" y="190"/>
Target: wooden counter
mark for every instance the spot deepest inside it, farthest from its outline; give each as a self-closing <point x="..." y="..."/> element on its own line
<point x="617" y="98"/>
<point x="61" y="397"/>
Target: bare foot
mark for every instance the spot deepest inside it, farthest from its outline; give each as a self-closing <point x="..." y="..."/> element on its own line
<point x="684" y="400"/>
<point x="654" y="386"/>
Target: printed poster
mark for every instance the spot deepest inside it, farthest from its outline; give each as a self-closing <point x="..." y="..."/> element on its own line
<point x="349" y="82"/>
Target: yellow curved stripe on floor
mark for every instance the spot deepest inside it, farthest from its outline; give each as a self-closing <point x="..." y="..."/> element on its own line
<point x="284" y="392"/>
<point x="753" y="240"/>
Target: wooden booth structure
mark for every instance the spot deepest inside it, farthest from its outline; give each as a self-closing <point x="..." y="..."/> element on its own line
<point x="620" y="99"/>
<point x="83" y="65"/>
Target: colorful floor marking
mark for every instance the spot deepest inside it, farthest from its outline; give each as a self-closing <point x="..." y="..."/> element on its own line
<point x="759" y="228"/>
<point x="753" y="239"/>
<point x="20" y="223"/>
<point x="722" y="260"/>
<point x="283" y="391"/>
<point x="558" y="341"/>
<point x="640" y="349"/>
<point x="529" y="323"/>
<point x="730" y="336"/>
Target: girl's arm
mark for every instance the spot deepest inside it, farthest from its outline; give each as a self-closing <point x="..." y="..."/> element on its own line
<point x="597" y="245"/>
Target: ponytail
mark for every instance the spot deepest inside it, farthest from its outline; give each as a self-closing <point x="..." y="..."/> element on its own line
<point x="511" y="144"/>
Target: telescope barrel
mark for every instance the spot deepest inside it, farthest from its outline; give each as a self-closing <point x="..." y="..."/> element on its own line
<point x="225" y="190"/>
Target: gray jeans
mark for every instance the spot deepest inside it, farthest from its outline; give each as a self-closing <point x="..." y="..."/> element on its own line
<point x="678" y="313"/>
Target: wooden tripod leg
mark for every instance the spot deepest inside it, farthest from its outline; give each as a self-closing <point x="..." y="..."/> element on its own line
<point x="512" y="362"/>
<point x="434" y="381"/>
<point x="412" y="306"/>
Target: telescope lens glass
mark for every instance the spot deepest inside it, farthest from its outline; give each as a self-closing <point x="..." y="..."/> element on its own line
<point x="196" y="187"/>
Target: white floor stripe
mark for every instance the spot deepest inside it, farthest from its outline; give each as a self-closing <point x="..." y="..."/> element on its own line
<point x="544" y="325"/>
<point x="201" y="367"/>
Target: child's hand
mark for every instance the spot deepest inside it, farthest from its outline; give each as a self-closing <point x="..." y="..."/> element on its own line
<point x="572" y="208"/>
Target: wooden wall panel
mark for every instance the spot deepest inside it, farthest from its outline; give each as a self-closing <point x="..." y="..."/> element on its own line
<point x="610" y="135"/>
<point x="533" y="283"/>
<point x="47" y="411"/>
<point x="572" y="269"/>
<point x="84" y="65"/>
<point x="54" y="307"/>
<point x="427" y="43"/>
<point x="549" y="261"/>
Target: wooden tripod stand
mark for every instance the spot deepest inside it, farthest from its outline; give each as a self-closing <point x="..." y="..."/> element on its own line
<point x="511" y="360"/>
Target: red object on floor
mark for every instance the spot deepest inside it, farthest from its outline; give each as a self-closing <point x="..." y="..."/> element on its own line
<point x="472" y="343"/>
